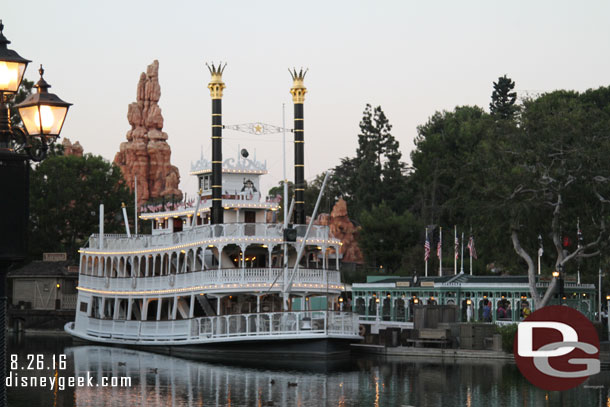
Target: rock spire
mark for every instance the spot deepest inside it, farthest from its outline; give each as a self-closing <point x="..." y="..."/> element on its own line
<point x="146" y="153"/>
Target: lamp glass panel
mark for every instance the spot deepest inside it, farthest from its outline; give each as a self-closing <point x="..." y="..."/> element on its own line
<point x="10" y="75"/>
<point x="29" y="115"/>
<point x="47" y="120"/>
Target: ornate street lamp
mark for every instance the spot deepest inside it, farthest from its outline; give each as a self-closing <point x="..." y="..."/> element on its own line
<point x="43" y="115"/>
<point x="12" y="66"/>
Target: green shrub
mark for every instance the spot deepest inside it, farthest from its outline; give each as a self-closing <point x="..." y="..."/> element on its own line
<point x="508" y="336"/>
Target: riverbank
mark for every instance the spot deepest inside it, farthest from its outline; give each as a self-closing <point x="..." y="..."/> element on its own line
<point x="430" y="352"/>
<point x="449" y="353"/>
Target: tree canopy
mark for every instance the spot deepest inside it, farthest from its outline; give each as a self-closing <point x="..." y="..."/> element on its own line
<point x="65" y="194"/>
<point x="519" y="171"/>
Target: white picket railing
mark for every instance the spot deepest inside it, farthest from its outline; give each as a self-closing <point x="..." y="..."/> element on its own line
<point x="246" y="278"/>
<point x="227" y="327"/>
<point x="201" y="233"/>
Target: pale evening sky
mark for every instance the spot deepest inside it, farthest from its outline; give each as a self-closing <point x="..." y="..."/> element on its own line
<point x="412" y="58"/>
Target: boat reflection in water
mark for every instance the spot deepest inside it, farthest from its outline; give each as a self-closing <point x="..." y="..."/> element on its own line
<point x="162" y="380"/>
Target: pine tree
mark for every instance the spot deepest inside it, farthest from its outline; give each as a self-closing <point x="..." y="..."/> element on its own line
<point x="502" y="99"/>
<point x="379" y="171"/>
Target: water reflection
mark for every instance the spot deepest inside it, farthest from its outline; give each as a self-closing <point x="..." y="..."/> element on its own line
<point x="162" y="380"/>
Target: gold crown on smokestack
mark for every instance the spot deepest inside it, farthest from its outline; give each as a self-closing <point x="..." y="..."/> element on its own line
<point x="298" y="89"/>
<point x="216" y="85"/>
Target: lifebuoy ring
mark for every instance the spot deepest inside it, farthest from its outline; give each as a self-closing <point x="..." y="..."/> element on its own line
<point x="172" y="280"/>
<point x="362" y="330"/>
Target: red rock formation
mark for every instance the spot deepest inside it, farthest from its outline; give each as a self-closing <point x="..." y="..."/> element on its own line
<point x="343" y="229"/>
<point x="72" y="149"/>
<point x="146" y="153"/>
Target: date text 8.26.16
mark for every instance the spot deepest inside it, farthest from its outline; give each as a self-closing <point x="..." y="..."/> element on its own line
<point x="38" y="361"/>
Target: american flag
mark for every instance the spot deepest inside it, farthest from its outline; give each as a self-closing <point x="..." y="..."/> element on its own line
<point x="439" y="249"/>
<point x="427" y="249"/>
<point x="456" y="248"/>
<point x="473" y="251"/>
<point x="579" y="233"/>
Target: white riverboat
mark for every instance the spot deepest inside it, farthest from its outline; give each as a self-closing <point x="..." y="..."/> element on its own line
<point x="197" y="283"/>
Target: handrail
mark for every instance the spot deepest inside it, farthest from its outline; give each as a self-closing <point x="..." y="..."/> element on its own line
<point x="224" y="327"/>
<point x="250" y="231"/>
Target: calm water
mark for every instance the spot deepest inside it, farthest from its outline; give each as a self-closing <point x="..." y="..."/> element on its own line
<point x="159" y="380"/>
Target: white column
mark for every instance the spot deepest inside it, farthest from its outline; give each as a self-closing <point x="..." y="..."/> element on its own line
<point x="192" y="307"/>
<point x="101" y="239"/>
<point x="324" y="257"/>
<point x="116" y="309"/>
<point x="103" y="310"/>
<point x="243" y="255"/>
<point x="159" y="302"/>
<point x="144" y="315"/>
<point x="337" y="252"/>
<point x="129" y="306"/>
<point x="220" y="249"/>
<point x="175" y="307"/>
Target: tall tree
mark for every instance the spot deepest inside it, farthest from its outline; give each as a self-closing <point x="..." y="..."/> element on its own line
<point x="503" y="99"/>
<point x="557" y="172"/>
<point x="65" y="193"/>
<point x="446" y="165"/>
<point x="379" y="172"/>
<point x="385" y="236"/>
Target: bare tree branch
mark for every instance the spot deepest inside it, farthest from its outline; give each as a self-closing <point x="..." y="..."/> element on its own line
<point x="531" y="274"/>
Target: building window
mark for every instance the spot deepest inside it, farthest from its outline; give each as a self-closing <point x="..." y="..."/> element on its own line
<point x="204" y="182"/>
<point x="83" y="307"/>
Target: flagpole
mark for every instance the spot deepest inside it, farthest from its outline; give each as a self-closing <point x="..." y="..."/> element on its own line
<point x="426" y="269"/>
<point x="579" y="233"/>
<point x="440" y="252"/>
<point x="462" y="255"/>
<point x="135" y="204"/>
<point x="454" y="249"/>
<point x="470" y="242"/>
<point x="599" y="303"/>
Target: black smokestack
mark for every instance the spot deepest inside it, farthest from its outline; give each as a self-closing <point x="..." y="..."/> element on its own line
<point x="216" y="86"/>
<point x="298" y="92"/>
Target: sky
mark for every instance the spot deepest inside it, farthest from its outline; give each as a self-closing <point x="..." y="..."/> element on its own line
<point x="412" y="58"/>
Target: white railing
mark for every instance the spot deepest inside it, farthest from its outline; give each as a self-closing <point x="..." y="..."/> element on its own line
<point x="243" y="279"/>
<point x="203" y="233"/>
<point x="226" y="327"/>
<point x="68" y="301"/>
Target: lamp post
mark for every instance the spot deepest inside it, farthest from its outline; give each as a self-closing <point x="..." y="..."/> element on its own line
<point x="43" y="116"/>
<point x="608" y="314"/>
